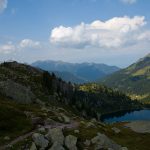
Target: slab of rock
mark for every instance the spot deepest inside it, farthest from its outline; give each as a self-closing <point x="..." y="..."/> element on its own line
<point x="57" y="146"/>
<point x="87" y="143"/>
<point x="70" y="142"/>
<point x="33" y="146"/>
<point x="101" y="141"/>
<point x="56" y="135"/>
<point x="39" y="140"/>
<point x="139" y="126"/>
<point x="16" y="91"/>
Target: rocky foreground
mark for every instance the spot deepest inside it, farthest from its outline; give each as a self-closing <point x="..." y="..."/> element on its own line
<point x="67" y="133"/>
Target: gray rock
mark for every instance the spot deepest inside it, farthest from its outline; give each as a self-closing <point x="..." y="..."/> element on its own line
<point x="76" y="131"/>
<point x="17" y="91"/>
<point x="70" y="142"/>
<point x="116" y="130"/>
<point x="87" y="143"/>
<point x="33" y="146"/>
<point x="102" y="141"/>
<point x="57" y="146"/>
<point x="42" y="130"/>
<point x="49" y="121"/>
<point x="39" y="140"/>
<point x="90" y="125"/>
<point x="7" y="138"/>
<point x="66" y="118"/>
<point x="56" y="135"/>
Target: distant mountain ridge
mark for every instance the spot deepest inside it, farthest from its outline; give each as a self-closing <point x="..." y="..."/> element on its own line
<point x="134" y="80"/>
<point x="77" y="72"/>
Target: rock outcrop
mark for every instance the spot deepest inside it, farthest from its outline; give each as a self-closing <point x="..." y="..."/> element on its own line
<point x="16" y="91"/>
<point x="56" y="135"/>
<point x="70" y="142"/>
<point x="39" y="140"/>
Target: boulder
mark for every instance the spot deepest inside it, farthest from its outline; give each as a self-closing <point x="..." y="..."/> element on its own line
<point x="70" y="142"/>
<point x="7" y="138"/>
<point x="116" y="130"/>
<point x="56" y="135"/>
<point x="76" y="131"/>
<point x="57" y="146"/>
<point x="42" y="130"/>
<point x="66" y="119"/>
<point x="39" y="140"/>
<point x="90" y="125"/>
<point x="49" y="121"/>
<point x="33" y="146"/>
<point x="101" y="141"/>
<point x="87" y="143"/>
<point x="17" y="92"/>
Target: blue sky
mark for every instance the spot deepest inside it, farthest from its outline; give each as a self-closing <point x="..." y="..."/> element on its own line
<point x="115" y="32"/>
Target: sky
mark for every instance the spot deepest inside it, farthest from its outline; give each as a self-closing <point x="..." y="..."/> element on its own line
<point x="114" y="32"/>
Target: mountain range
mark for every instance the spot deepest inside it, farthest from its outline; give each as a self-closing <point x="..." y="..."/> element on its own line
<point x="134" y="80"/>
<point x="76" y="72"/>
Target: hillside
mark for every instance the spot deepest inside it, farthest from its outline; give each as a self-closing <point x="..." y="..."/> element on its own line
<point x="86" y="72"/>
<point x="40" y="111"/>
<point x="134" y="80"/>
<point x="69" y="77"/>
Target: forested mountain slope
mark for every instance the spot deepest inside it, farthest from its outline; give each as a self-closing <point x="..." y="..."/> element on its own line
<point x="134" y="80"/>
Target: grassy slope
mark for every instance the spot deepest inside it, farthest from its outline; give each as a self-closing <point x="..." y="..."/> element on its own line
<point x="134" y="80"/>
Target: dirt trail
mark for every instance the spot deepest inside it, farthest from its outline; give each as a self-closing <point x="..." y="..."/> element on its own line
<point x="73" y="124"/>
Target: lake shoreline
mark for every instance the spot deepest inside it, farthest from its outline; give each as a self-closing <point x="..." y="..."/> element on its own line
<point x="121" y="113"/>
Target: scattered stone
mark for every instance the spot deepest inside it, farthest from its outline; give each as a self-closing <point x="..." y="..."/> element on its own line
<point x="70" y="142"/>
<point x="60" y="119"/>
<point x="40" y="140"/>
<point x="76" y="131"/>
<point x="101" y="141"/>
<point x="49" y="121"/>
<point x="87" y="143"/>
<point x="7" y="138"/>
<point x="33" y="146"/>
<point x="82" y="122"/>
<point x="116" y="130"/>
<point x="36" y="120"/>
<point x="42" y="130"/>
<point x="93" y="120"/>
<point x="90" y="125"/>
<point x="66" y="119"/>
<point x="57" y="146"/>
<point x="56" y="135"/>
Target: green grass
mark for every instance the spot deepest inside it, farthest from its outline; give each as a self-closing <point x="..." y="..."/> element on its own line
<point x="13" y="121"/>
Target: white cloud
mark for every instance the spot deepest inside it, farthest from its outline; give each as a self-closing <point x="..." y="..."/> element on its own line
<point x="28" y="43"/>
<point x="111" y="33"/>
<point x="7" y="48"/>
<point x="3" y="5"/>
<point x="10" y="47"/>
<point x="129" y="1"/>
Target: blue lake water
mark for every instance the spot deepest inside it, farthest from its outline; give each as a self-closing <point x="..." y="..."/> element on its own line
<point x="127" y="116"/>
